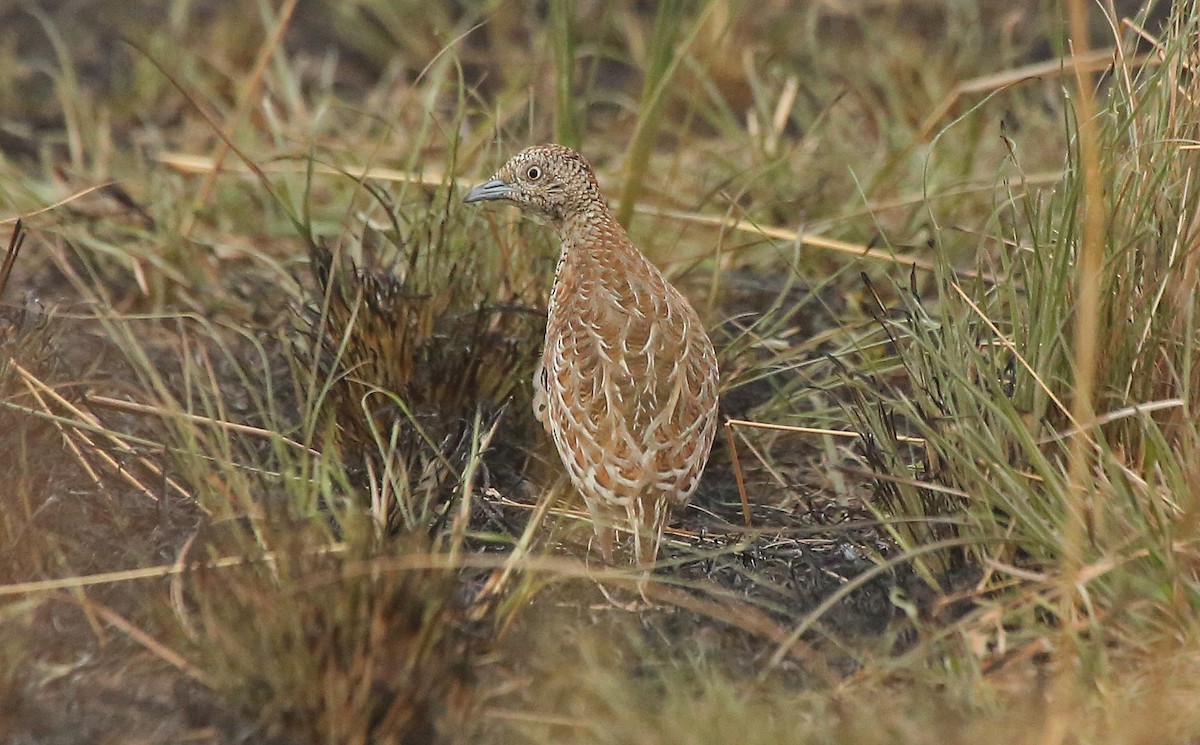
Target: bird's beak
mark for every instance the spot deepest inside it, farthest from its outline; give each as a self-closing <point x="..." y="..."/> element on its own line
<point x="494" y="189"/>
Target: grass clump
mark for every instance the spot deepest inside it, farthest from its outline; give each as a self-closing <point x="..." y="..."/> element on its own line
<point x="422" y="354"/>
<point x="984" y="374"/>
<point x="358" y="653"/>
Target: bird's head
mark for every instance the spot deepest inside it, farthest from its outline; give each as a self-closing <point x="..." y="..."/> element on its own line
<point x="553" y="181"/>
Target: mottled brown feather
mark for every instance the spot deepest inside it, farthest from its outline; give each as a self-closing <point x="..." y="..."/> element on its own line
<point x="628" y="382"/>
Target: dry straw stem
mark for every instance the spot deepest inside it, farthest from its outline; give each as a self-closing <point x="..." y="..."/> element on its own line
<point x="722" y="606"/>
<point x="1011" y="347"/>
<point x="762" y="459"/>
<point x="1115" y="415"/>
<point x="855" y="250"/>
<point x="37" y="387"/>
<point x="1089" y="270"/>
<point x="906" y="201"/>
<point x="133" y="407"/>
<point x="152" y="645"/>
<point x="60" y="203"/>
<point x="15" y="242"/>
<point x="153" y="572"/>
<point x="1080" y="63"/>
<point x="199" y="164"/>
<point x="737" y="472"/>
<point x="536" y="717"/>
<point x="737" y="462"/>
<point x="815" y="430"/>
<point x="69" y="437"/>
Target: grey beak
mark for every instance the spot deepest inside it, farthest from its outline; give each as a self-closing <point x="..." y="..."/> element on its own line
<point x="494" y="189"/>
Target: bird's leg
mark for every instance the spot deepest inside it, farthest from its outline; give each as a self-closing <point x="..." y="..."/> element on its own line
<point x="602" y="524"/>
<point x="606" y="537"/>
<point x="646" y="546"/>
<point x="647" y="518"/>
<point x="644" y="549"/>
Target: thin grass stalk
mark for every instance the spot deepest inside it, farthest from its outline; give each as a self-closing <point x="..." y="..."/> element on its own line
<point x="1088" y="277"/>
<point x="567" y="124"/>
<point x="246" y="98"/>
<point x="665" y="55"/>
<point x="10" y="256"/>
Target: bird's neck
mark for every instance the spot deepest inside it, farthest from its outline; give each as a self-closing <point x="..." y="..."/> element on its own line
<point x="596" y="262"/>
<point x="593" y="232"/>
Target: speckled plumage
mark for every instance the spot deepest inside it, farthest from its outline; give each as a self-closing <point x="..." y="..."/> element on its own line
<point x="627" y="387"/>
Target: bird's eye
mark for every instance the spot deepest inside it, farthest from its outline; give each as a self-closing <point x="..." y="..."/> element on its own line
<point x="534" y="173"/>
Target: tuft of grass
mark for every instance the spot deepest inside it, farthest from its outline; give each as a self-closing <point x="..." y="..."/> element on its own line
<point x="423" y="347"/>
<point x="356" y="655"/>
<point x="985" y="374"/>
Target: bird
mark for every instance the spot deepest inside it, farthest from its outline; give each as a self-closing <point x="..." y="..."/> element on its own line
<point x="627" y="385"/>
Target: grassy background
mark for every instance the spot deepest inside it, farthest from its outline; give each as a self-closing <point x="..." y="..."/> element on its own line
<point x="270" y="473"/>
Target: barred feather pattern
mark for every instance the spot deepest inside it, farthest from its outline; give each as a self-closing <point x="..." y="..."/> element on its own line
<point x="627" y="386"/>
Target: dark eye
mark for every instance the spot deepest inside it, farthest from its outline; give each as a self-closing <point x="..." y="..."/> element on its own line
<point x="534" y="173"/>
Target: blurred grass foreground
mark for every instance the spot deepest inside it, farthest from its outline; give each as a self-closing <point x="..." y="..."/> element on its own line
<point x="270" y="472"/>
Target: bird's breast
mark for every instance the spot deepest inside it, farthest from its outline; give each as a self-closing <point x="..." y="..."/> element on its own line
<point x="630" y="373"/>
